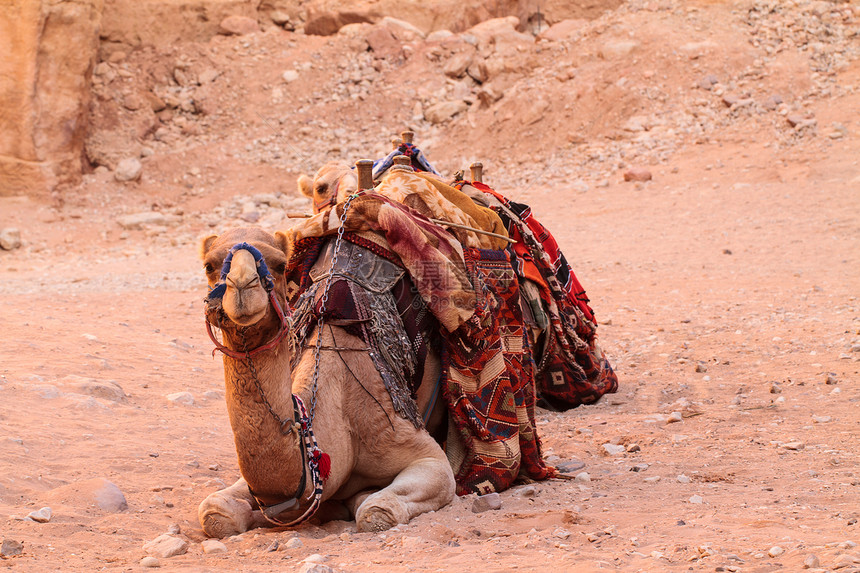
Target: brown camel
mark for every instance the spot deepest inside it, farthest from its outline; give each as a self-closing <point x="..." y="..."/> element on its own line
<point x="383" y="469"/>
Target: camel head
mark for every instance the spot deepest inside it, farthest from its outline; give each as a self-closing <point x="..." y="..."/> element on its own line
<point x="243" y="291"/>
<point x="333" y="183"/>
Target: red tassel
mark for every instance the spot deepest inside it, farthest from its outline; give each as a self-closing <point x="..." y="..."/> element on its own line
<point x="325" y="466"/>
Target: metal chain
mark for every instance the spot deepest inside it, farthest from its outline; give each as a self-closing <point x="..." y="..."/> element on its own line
<point x="324" y="300"/>
<point x="266" y="403"/>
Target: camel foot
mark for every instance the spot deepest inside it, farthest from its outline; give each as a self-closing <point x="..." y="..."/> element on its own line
<point x="223" y="517"/>
<point x="379" y="513"/>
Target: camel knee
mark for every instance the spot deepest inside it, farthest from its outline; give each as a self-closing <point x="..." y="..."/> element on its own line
<point x="222" y="516"/>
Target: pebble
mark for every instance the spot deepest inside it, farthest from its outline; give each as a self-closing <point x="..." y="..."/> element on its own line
<point x="150" y="561"/>
<point x="794" y="446"/>
<point x="613" y="449"/>
<point x="674" y="417"/>
<point x="315" y="568"/>
<point x="831" y="378"/>
<point x="696" y="499"/>
<point x="41" y="515"/>
<point x="181" y="399"/>
<point x="528" y="491"/>
<point x="490" y="501"/>
<point x="775" y="551"/>
<point x="637" y="174"/>
<point x="821" y="419"/>
<point x="774" y="388"/>
<point x="213" y="546"/>
<point x="652" y="479"/>
<point x="811" y="562"/>
<point x="845" y="560"/>
<point x="129" y="169"/>
<point x="290" y="76"/>
<point x="640" y="467"/>
<point x="633" y="447"/>
<point x="10" y="548"/>
<point x="166" y="546"/>
<point x="10" y="239"/>
<point x="701" y="367"/>
<point x="238" y="26"/>
<point x="683" y="479"/>
<point x="294" y="543"/>
<point x="582" y="477"/>
<point x="173" y="528"/>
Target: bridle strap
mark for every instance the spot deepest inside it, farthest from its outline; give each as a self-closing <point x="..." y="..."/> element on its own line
<point x="283" y="330"/>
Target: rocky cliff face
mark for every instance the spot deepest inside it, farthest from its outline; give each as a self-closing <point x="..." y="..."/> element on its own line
<point x="44" y="90"/>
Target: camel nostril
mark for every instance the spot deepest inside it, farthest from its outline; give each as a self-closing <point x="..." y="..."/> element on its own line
<point x="242" y="282"/>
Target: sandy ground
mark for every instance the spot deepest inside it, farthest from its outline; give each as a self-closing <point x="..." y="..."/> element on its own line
<point x="726" y="288"/>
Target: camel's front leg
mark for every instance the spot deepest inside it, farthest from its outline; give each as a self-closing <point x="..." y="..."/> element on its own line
<point x="230" y="511"/>
<point x="426" y="484"/>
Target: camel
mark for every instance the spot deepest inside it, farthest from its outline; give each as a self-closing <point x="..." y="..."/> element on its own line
<point x="383" y="469"/>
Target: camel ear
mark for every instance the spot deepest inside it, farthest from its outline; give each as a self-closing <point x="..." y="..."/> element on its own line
<point x="282" y="241"/>
<point x="306" y="185"/>
<point x="206" y="244"/>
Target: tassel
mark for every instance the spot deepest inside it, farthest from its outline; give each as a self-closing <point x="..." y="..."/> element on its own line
<point x="325" y="466"/>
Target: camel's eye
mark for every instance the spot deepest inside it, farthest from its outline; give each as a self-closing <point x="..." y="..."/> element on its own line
<point x="209" y="268"/>
<point x="321" y="189"/>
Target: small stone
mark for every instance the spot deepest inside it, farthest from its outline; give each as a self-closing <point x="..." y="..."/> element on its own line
<point x="490" y="501"/>
<point x="528" y="491"/>
<point x="443" y="111"/>
<point x="794" y="120"/>
<point x="213" y="546"/>
<point x="10" y="239"/>
<point x="774" y="388"/>
<point x="696" y="499"/>
<point x="273" y="546"/>
<point x="128" y="169"/>
<point x="683" y="479"/>
<point x="674" y="417"/>
<point x="561" y="533"/>
<point x="637" y="174"/>
<point x="640" y="467"/>
<point x="700" y="367"/>
<point x="294" y="543"/>
<point x="150" y="561"/>
<point x="708" y="82"/>
<point x="845" y="560"/>
<point x="821" y="419"/>
<point x="613" y="449"/>
<point x="315" y="568"/>
<point x="582" y="477"/>
<point x="794" y="446"/>
<point x="315" y="558"/>
<point x="41" y="515"/>
<point x="652" y="479"/>
<point x="633" y="447"/>
<point x="775" y="551"/>
<point x="166" y="546"/>
<point x="181" y="399"/>
<point x="290" y="76"/>
<point x="811" y="562"/>
<point x="238" y="26"/>
<point x="831" y="379"/>
<point x="173" y="528"/>
<point x="729" y="100"/>
<point x="10" y="548"/>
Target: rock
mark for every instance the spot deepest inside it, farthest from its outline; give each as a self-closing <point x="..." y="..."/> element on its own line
<point x="107" y="389"/>
<point x="213" y="546"/>
<point x="821" y="419"/>
<point x="41" y="515"/>
<point x="166" y="546"/>
<point x="794" y="119"/>
<point x="708" y="82"/>
<point x="563" y="31"/>
<point x="700" y="367"/>
<point x="831" y="379"/>
<point x="683" y="479"/>
<point x="528" y="491"/>
<point x="458" y="63"/>
<point x="444" y="111"/>
<point x="294" y="543"/>
<point x="582" y="477"/>
<point x="639" y="467"/>
<point x="128" y="169"/>
<point x="617" y="49"/>
<point x="173" y="528"/>
<point x="290" y="76"/>
<point x="181" y="399"/>
<point x="775" y="551"/>
<point x="280" y="18"/>
<point x="637" y="174"/>
<point x="478" y="71"/>
<point x="238" y="26"/>
<point x="402" y="30"/>
<point x="696" y="499"/>
<point x="613" y="449"/>
<point x="633" y="448"/>
<point x="138" y="221"/>
<point x="652" y="479"/>
<point x="49" y="50"/>
<point x="439" y="35"/>
<point x="794" y="446"/>
<point x="326" y="23"/>
<point x="775" y="388"/>
<point x="97" y="492"/>
<point x="150" y="561"/>
<point x="382" y="43"/>
<point x="10" y="548"/>
<point x="811" y="562"/>
<point x="10" y="239"/>
<point x="490" y="501"/>
<point x="674" y="418"/>
<point x="316" y="568"/>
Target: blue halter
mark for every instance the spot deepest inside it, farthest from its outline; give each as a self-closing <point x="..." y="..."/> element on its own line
<point x="220" y="287"/>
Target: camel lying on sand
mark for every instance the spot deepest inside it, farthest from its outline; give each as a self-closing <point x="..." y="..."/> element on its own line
<point x="382" y="468"/>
